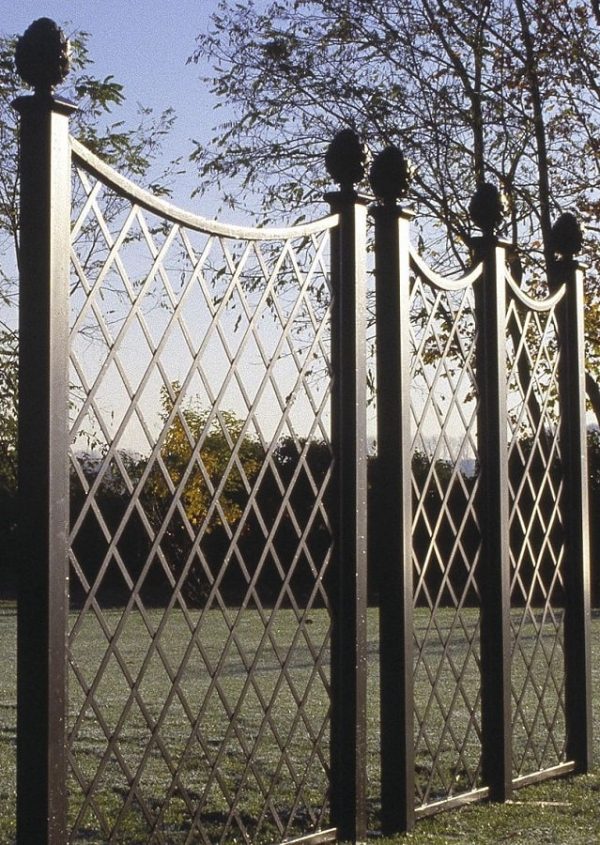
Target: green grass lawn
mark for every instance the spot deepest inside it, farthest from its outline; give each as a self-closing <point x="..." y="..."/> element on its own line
<point x="157" y="732"/>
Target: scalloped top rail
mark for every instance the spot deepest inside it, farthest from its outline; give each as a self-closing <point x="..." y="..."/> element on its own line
<point x="534" y="304"/>
<point x="449" y="284"/>
<point x="145" y="199"/>
<point x="444" y="282"/>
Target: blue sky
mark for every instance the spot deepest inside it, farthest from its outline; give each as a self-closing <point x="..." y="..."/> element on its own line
<point x="144" y="44"/>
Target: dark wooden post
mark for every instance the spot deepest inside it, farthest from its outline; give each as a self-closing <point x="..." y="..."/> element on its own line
<point x="573" y="443"/>
<point x="345" y="162"/>
<point x="493" y="510"/>
<point x="43" y="438"/>
<point x="393" y="510"/>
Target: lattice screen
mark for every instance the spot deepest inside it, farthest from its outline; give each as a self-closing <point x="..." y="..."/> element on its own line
<point x="199" y="628"/>
<point x="446" y="540"/>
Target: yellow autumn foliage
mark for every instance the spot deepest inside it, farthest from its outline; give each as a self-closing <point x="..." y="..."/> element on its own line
<point x="210" y="460"/>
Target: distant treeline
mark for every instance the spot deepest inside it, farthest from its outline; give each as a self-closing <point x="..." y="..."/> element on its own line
<point x="241" y="526"/>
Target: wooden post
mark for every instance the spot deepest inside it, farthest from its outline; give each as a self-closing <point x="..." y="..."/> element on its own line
<point x="393" y="518"/>
<point x="43" y="444"/>
<point x="349" y="442"/>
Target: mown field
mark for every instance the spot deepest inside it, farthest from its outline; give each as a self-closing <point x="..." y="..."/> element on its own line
<point x="560" y="811"/>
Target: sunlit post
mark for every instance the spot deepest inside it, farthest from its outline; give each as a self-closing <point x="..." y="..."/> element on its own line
<point x="494" y="570"/>
<point x="393" y="511"/>
<point x="42" y="61"/>
<point x="345" y="163"/>
<point x="567" y="239"/>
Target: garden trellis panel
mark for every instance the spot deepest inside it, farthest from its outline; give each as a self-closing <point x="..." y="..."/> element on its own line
<point x="537" y="545"/>
<point x="446" y="535"/>
<point x="209" y="713"/>
<point x="202" y="644"/>
<point x="206" y="385"/>
<point x="481" y="430"/>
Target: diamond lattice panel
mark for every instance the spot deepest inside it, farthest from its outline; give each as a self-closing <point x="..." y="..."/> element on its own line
<point x="446" y="543"/>
<point x="199" y="627"/>
<point x="536" y="541"/>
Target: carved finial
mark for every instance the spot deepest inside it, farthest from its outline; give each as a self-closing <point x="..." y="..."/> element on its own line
<point x="42" y="55"/>
<point x="566" y="236"/>
<point x="486" y="208"/>
<point x="346" y="159"/>
<point x="389" y="175"/>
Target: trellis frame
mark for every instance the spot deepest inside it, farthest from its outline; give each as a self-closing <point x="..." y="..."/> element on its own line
<point x="44" y="491"/>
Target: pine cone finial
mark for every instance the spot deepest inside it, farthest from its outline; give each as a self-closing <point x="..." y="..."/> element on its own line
<point x="566" y="236"/>
<point x="486" y="208"/>
<point x="389" y="175"/>
<point x="346" y="159"/>
<point x="42" y="55"/>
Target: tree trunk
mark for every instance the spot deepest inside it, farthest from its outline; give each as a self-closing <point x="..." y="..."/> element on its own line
<point x="593" y="394"/>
